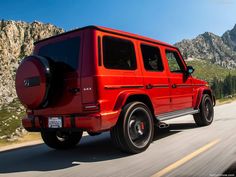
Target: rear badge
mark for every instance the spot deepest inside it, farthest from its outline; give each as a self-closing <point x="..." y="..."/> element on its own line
<point x="87" y="89"/>
<point x="32" y="81"/>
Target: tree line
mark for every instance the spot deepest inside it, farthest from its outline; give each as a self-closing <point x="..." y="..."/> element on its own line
<point x="225" y="87"/>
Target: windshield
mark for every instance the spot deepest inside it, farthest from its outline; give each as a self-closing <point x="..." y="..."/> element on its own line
<point x="64" y="53"/>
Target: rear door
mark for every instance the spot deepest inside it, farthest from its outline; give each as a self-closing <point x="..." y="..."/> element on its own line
<point x="119" y="70"/>
<point x="181" y="89"/>
<point x="155" y="77"/>
<point x="65" y="53"/>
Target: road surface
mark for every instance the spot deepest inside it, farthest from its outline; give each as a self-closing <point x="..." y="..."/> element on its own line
<point x="184" y="150"/>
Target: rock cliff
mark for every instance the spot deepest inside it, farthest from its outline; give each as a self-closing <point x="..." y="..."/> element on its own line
<point x="16" y="41"/>
<point x="208" y="46"/>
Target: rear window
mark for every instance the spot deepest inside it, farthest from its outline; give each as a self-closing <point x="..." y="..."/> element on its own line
<point x="64" y="53"/>
<point x="118" y="54"/>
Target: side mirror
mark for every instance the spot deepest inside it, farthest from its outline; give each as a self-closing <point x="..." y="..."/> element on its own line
<point x="190" y="70"/>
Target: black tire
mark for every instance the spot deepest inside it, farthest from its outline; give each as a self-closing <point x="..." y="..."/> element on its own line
<point x="134" y="129"/>
<point x="61" y="140"/>
<point x="206" y="114"/>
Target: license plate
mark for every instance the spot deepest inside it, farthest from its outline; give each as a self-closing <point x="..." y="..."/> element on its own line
<point x="54" y="122"/>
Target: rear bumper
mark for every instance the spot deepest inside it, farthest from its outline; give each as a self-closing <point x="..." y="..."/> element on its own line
<point x="92" y="122"/>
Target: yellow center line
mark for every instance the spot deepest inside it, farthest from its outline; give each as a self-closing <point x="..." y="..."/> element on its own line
<point x="185" y="159"/>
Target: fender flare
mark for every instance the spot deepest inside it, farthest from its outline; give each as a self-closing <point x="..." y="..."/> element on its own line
<point x="123" y="96"/>
<point x="200" y="92"/>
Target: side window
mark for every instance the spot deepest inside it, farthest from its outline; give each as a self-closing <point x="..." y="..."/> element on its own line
<point x="174" y="62"/>
<point x="118" y="54"/>
<point x="151" y="58"/>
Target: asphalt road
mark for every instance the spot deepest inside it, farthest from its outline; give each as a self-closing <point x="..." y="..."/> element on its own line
<point x="183" y="150"/>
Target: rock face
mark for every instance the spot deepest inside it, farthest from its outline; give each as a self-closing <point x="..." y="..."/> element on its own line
<point x="16" y="41"/>
<point x="229" y="38"/>
<point x="208" y="46"/>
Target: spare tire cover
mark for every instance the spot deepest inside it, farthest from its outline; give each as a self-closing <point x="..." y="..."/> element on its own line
<point x="32" y="81"/>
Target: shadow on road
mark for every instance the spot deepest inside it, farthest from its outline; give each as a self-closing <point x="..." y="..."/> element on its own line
<point x="91" y="149"/>
<point x="231" y="170"/>
<point x="182" y="126"/>
<point x="172" y="129"/>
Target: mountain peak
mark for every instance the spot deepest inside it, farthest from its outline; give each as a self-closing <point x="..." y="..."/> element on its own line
<point x="208" y="46"/>
<point x="229" y="38"/>
<point x="234" y="28"/>
<point x="209" y="34"/>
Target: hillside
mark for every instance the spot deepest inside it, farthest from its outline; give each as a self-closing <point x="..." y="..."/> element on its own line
<point x="213" y="48"/>
<point x="207" y="71"/>
<point x="16" y="41"/>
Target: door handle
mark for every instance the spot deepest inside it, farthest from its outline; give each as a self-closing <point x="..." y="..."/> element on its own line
<point x="174" y="85"/>
<point x="149" y="86"/>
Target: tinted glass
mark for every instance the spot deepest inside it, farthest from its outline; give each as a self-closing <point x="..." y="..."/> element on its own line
<point x="152" y="58"/>
<point x="174" y="62"/>
<point x="118" y="54"/>
<point x="64" y="53"/>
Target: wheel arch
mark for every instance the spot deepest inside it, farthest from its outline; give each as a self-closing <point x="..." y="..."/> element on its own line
<point x="200" y="93"/>
<point x="128" y="97"/>
<point x="141" y="98"/>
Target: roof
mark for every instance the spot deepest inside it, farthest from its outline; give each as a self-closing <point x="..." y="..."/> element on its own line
<point x="109" y="30"/>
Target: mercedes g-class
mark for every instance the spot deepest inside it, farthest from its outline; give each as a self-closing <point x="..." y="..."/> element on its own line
<point x="97" y="79"/>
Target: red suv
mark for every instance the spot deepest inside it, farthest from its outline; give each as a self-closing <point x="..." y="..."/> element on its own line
<point x="97" y="79"/>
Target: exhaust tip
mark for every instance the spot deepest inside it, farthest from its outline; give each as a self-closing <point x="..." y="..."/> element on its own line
<point x="163" y="125"/>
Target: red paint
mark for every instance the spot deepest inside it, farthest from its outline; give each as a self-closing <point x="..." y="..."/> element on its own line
<point x="30" y="96"/>
<point x="101" y="92"/>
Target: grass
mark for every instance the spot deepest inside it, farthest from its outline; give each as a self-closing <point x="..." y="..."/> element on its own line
<point x="226" y="100"/>
<point x="27" y="138"/>
<point x="207" y="71"/>
<point x="10" y="120"/>
<point x="10" y="117"/>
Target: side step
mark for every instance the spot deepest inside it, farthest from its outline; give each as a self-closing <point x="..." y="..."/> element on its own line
<point x="175" y="114"/>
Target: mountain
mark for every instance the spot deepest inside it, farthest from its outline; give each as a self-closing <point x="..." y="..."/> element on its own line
<point x="229" y="38"/>
<point x="16" y="41"/>
<point x="219" y="50"/>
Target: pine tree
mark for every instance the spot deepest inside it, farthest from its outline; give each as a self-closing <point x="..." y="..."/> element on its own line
<point x="227" y="86"/>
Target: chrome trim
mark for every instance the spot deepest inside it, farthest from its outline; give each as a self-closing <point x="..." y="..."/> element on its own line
<point x="150" y="86"/>
<point x="122" y="86"/>
<point x="188" y="85"/>
<point x="199" y="84"/>
<point x="89" y="107"/>
<point x="160" y="86"/>
<point x="176" y="114"/>
<point x="184" y="85"/>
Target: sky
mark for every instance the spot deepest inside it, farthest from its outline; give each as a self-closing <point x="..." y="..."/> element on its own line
<point x="166" y="20"/>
